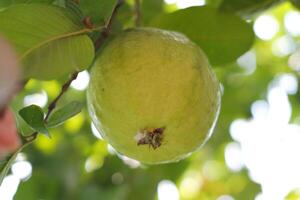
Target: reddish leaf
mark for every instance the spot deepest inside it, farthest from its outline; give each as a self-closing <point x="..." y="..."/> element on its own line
<point x="9" y="139"/>
<point x="9" y="72"/>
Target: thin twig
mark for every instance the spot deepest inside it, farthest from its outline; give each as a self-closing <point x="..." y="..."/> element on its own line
<point x="76" y="1"/>
<point x="137" y="11"/>
<point x="64" y="88"/>
<point x="107" y="29"/>
<point x="31" y="138"/>
<point x="52" y="105"/>
<point x="10" y="161"/>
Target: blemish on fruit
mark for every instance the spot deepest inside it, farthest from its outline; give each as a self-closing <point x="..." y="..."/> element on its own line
<point x="150" y="136"/>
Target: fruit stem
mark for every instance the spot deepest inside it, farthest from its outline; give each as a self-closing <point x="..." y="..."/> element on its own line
<point x="107" y="29"/>
<point x="138" y="14"/>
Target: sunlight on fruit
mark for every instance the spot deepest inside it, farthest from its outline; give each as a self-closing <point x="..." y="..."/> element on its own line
<point x="111" y="150"/>
<point x="266" y="27"/>
<point x="95" y="132"/>
<point x="167" y="190"/>
<point x="81" y="81"/>
<point x="130" y="162"/>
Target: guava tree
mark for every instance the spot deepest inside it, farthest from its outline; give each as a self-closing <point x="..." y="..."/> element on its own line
<point x="154" y="94"/>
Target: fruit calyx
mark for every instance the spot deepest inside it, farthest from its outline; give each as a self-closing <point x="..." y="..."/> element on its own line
<point x="150" y="136"/>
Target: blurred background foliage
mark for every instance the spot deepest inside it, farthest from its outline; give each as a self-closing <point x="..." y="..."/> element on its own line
<point x="75" y="164"/>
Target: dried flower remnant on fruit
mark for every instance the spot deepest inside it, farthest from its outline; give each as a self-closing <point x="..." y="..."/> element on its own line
<point x="150" y="136"/>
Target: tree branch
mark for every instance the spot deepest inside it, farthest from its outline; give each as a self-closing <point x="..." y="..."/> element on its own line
<point x="138" y="14"/>
<point x="107" y="29"/>
<point x="64" y="89"/>
<point x="31" y="138"/>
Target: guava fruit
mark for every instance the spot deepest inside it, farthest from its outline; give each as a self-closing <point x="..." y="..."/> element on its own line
<point x="153" y="95"/>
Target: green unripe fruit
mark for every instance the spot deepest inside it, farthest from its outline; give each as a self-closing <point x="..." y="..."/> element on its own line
<point x="153" y="95"/>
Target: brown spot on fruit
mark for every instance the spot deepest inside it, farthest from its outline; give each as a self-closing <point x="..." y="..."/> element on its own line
<point x="150" y="136"/>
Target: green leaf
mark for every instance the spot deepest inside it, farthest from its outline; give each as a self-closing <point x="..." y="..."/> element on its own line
<point x="213" y="3"/>
<point x="51" y="41"/>
<point x="98" y="10"/>
<point x="74" y="7"/>
<point x="296" y="3"/>
<point x="223" y="36"/>
<point x="6" y="164"/>
<point x="23" y="127"/>
<point x="150" y="9"/>
<point x="247" y="8"/>
<point x="34" y="116"/>
<point x="64" y="113"/>
<point x="4" y="3"/>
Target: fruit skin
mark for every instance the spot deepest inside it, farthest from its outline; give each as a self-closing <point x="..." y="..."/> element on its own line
<point x="151" y="79"/>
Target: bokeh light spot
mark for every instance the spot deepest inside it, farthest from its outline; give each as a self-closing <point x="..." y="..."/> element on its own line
<point x="233" y="157"/>
<point x="266" y="27"/>
<point x="82" y="81"/>
<point x="191" y="184"/>
<point x="117" y="178"/>
<point x="283" y="46"/>
<point x="9" y="187"/>
<point x="186" y="3"/>
<point x="292" y="22"/>
<point x="39" y="99"/>
<point x="248" y="62"/>
<point x="22" y="170"/>
<point x="167" y="190"/>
